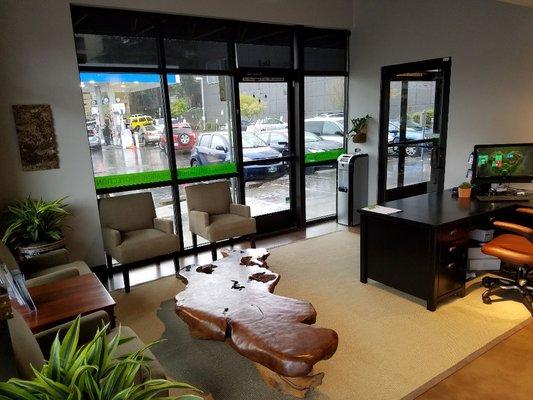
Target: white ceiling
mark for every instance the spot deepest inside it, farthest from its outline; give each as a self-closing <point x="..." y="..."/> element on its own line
<point x="526" y="3"/>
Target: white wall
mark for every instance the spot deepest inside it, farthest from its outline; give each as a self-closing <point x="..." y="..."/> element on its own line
<point x="491" y="46"/>
<point x="38" y="65"/>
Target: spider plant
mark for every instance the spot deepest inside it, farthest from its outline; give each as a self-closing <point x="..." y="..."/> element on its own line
<point x="31" y="221"/>
<point x="91" y="372"/>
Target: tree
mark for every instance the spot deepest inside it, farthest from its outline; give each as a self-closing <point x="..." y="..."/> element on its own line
<point x="178" y="107"/>
<point x="250" y="107"/>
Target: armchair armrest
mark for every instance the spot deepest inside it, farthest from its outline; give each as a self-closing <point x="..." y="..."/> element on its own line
<point x="240" y="209"/>
<point x="525" y="210"/>
<point x="164" y="225"/>
<point x="52" y="277"/>
<point x="520" y="229"/>
<point x="111" y="237"/>
<point x="198" y="220"/>
<point x="46" y="260"/>
<point x="88" y="326"/>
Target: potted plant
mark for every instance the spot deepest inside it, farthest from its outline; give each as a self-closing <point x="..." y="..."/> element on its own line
<point x="91" y="371"/>
<point x="33" y="227"/>
<point x="359" y="129"/>
<point x="465" y="190"/>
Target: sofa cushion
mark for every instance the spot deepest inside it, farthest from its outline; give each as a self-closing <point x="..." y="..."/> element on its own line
<point x="79" y="265"/>
<point x="6" y="257"/>
<point x="143" y="244"/>
<point x="26" y="350"/>
<point x="127" y="212"/>
<point x="212" y="198"/>
<point x="224" y="226"/>
<point x="156" y="370"/>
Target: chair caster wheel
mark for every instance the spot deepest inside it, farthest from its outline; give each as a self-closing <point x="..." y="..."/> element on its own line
<point x="487" y="300"/>
<point x="486" y="282"/>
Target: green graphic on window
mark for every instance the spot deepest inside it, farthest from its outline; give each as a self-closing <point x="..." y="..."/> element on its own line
<point x="135" y="178"/>
<point x="204" y="171"/>
<point x="329" y="155"/>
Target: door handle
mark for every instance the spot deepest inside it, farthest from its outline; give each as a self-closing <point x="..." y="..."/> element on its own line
<point x="343" y="189"/>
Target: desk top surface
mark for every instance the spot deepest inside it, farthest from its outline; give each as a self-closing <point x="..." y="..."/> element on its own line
<point x="436" y="209"/>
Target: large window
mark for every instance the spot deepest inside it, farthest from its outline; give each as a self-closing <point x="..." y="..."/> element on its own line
<point x="324" y="142"/>
<point x="160" y="94"/>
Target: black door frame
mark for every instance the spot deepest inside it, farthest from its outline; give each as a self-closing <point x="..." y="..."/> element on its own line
<point x="439" y="70"/>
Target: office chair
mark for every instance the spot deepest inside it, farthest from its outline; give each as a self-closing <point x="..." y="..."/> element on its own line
<point x="517" y="252"/>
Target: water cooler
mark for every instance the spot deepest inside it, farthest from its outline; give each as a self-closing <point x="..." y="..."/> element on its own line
<point x="352" y="187"/>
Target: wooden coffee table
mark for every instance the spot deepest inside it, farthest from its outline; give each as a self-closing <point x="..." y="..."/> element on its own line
<point x="232" y="300"/>
<point x="61" y="301"/>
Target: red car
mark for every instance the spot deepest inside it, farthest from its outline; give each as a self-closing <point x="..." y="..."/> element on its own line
<point x="184" y="137"/>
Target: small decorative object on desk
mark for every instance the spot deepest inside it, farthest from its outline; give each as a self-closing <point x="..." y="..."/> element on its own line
<point x="359" y="129"/>
<point x="33" y="227"/>
<point x="381" y="209"/>
<point x="465" y="190"/>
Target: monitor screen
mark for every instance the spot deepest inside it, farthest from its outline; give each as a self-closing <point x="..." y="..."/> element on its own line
<point x="503" y="163"/>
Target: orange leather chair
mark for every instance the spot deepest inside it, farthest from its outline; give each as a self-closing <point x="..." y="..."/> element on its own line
<point x="516" y="251"/>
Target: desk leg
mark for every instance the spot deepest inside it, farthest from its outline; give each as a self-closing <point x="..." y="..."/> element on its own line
<point x="363" y="275"/>
<point x="112" y="318"/>
<point x="431" y="305"/>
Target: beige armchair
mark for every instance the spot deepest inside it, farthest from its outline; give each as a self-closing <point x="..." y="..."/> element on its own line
<point x="213" y="215"/>
<point x="133" y="234"/>
<point x="44" y="268"/>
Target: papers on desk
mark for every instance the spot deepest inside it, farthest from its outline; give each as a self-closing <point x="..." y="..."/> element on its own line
<point x="381" y="210"/>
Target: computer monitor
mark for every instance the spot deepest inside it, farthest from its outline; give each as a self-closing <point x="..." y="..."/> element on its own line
<point x="503" y="163"/>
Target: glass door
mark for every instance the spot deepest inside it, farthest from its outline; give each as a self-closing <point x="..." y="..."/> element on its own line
<point x="267" y="151"/>
<point x="413" y="122"/>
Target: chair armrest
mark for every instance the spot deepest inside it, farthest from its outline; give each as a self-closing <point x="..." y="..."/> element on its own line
<point x="111" y="237"/>
<point x="52" y="277"/>
<point x="46" y="260"/>
<point x="520" y="229"/>
<point x="164" y="225"/>
<point x="88" y="326"/>
<point x="240" y="209"/>
<point x="198" y="220"/>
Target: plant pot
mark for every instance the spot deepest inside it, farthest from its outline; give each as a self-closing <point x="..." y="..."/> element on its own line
<point x="465" y="193"/>
<point x="359" y="137"/>
<point x="35" y="249"/>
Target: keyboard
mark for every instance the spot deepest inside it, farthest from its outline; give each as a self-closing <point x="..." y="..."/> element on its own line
<point x="505" y="197"/>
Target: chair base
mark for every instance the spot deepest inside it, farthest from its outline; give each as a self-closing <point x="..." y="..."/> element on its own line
<point x="125" y="268"/>
<point x="519" y="284"/>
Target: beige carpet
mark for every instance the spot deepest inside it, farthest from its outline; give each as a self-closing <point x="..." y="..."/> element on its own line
<point x="390" y="346"/>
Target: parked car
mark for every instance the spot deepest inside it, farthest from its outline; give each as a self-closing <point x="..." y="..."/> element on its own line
<point x="266" y="124"/>
<point x="330" y="128"/>
<point x="149" y="135"/>
<point x="334" y="114"/>
<point x="159" y="124"/>
<point x="184" y="138"/>
<point x="278" y="140"/>
<point x="95" y="143"/>
<point x="214" y="148"/>
<point x="134" y="123"/>
<point x="413" y="131"/>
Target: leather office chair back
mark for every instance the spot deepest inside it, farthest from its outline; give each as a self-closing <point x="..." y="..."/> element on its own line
<point x="129" y="212"/>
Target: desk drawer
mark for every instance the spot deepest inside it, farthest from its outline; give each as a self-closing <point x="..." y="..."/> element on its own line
<point x="453" y="233"/>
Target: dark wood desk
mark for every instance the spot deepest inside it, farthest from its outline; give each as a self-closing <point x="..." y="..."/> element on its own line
<point x="63" y="300"/>
<point x="423" y="249"/>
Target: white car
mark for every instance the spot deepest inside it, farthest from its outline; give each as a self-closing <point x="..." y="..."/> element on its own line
<point x="159" y="124"/>
<point x="329" y="128"/>
<point x="266" y="124"/>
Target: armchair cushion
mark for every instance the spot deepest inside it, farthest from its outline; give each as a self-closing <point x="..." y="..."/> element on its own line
<point x="127" y="212"/>
<point x="52" y="277"/>
<point x="88" y="326"/>
<point x="240" y="209"/>
<point x="156" y="370"/>
<point x="224" y="226"/>
<point x="164" y="225"/>
<point x="26" y="350"/>
<point x="112" y="237"/>
<point x="143" y="244"/>
<point x="46" y="260"/>
<point x="198" y="222"/>
<point x="212" y="198"/>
